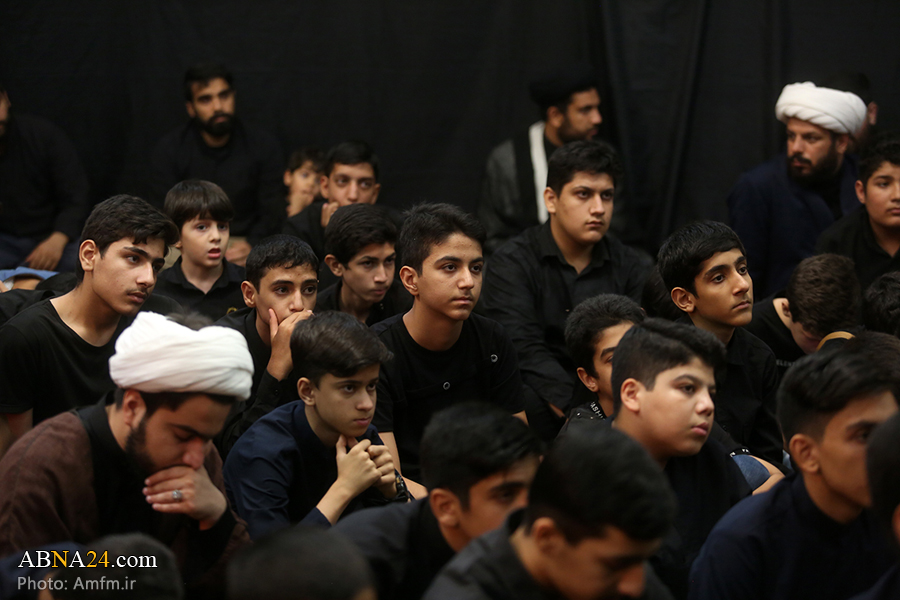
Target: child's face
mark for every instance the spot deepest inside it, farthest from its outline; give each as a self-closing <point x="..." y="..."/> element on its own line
<point x="603" y="355"/>
<point x="346" y="404"/>
<point x="203" y="242"/>
<point x="451" y="278"/>
<point x="350" y="184"/>
<point x="303" y="183"/>
<point x="370" y="272"/>
<point x="584" y="208"/>
<point x="881" y="196"/>
<point x="723" y="291"/>
<point x="284" y="290"/>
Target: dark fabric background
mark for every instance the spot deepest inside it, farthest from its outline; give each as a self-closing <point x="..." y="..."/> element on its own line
<point x="688" y="85"/>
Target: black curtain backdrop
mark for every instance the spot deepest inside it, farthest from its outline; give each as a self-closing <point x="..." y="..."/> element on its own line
<point x="688" y="86"/>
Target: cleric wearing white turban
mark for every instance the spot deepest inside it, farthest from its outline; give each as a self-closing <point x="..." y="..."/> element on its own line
<point x="834" y="110"/>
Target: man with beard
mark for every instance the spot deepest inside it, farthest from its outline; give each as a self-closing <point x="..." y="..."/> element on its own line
<point x="780" y="207"/>
<point x="141" y="459"/>
<point x="43" y="193"/>
<point x="512" y="192"/>
<point x="216" y="146"/>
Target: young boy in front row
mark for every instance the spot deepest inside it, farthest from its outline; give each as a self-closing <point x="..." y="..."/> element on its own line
<point x="443" y="354"/>
<point x="705" y="268"/>
<point x="359" y="247"/>
<point x="319" y="457"/>
<point x="810" y="536"/>
<point x="201" y="279"/>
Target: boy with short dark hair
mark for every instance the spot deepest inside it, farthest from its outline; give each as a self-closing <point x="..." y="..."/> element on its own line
<point x="663" y="382"/>
<point x="870" y="235"/>
<point x="881" y="305"/>
<point x="359" y="246"/>
<point x="810" y="536"/>
<point x="201" y="279"/>
<point x="704" y="266"/>
<point x="443" y="353"/>
<point x="301" y="178"/>
<point x="477" y="464"/>
<point x="280" y="291"/>
<point x="318" y="458"/>
<point x="822" y="296"/>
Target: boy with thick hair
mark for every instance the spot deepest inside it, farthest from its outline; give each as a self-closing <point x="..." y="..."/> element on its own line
<point x="704" y="266"/>
<point x="301" y="178"/>
<point x="477" y="464"/>
<point x="279" y="292"/>
<point x="881" y="305"/>
<point x="810" y="536"/>
<point x="201" y="279"/>
<point x="535" y="279"/>
<point x="597" y="509"/>
<point x="822" y="296"/>
<point x="443" y="353"/>
<point x="663" y="382"/>
<point x="359" y="247"/>
<point x="318" y="458"/>
<point x="54" y="355"/>
<point x="870" y="235"/>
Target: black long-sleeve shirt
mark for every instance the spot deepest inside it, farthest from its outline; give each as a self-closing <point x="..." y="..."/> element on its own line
<point x="43" y="187"/>
<point x="248" y="168"/>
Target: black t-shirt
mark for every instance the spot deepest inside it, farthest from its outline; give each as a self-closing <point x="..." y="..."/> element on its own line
<point x="417" y="383"/>
<point x="396" y="300"/>
<point x="767" y="326"/>
<point x="852" y="236"/>
<point x="223" y="297"/>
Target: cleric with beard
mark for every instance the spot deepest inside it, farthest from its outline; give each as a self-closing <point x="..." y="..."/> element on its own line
<point x="215" y="145"/>
<point x="141" y="459"/>
<point x="780" y="207"/>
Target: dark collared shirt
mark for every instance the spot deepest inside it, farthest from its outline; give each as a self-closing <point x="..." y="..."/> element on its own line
<point x="397" y="300"/>
<point x="779" y="545"/>
<point x="853" y="237"/>
<point x="529" y="288"/>
<point x="403" y="544"/>
<point x="223" y="297"/>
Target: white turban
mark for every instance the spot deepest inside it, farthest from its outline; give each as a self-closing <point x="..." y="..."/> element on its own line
<point x="834" y="110"/>
<point x="156" y="354"/>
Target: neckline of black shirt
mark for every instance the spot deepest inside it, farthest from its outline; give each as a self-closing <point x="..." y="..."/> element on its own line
<point x="549" y="248"/>
<point x="230" y="273"/>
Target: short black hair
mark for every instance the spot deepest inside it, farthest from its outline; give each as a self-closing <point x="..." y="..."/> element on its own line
<point x="468" y="442"/>
<point x="356" y="226"/>
<point x="819" y="385"/>
<point x="594" y="477"/>
<point x="148" y="571"/>
<point x="884" y="148"/>
<point x="584" y="156"/>
<point x="656" y="298"/>
<point x="656" y="345"/>
<point x="883" y="465"/>
<point x="354" y="152"/>
<point x="556" y="87"/>
<point x="278" y="251"/>
<point x="823" y="294"/>
<point x="428" y="225"/>
<point x="683" y="252"/>
<point x="590" y="319"/>
<point x="203" y="73"/>
<point x="881" y="305"/>
<point x="300" y="563"/>
<point x="194" y="198"/>
<point x="304" y="155"/>
<point x="125" y="216"/>
<point x="336" y="343"/>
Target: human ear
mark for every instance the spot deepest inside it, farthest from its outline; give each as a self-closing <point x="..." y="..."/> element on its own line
<point x="683" y="299"/>
<point x="589" y="381"/>
<point x="445" y="506"/>
<point x="190" y="109"/>
<point x="334" y="264"/>
<point x="410" y="280"/>
<point x="555" y="117"/>
<point x="306" y="391"/>
<point x="842" y="143"/>
<point x="786" y="310"/>
<point x="550" y="199"/>
<point x="860" y="191"/>
<point x="804" y="453"/>
<point x="88" y="253"/>
<point x="249" y="293"/>
<point x="288" y="176"/>
<point x="547" y="537"/>
<point x="133" y="408"/>
<point x="630" y="395"/>
<point x="323" y="186"/>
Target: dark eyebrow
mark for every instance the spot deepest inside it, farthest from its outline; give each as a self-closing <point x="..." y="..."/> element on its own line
<point x="137" y="250"/>
<point x="282" y="282"/>
<point x="861" y="425"/>
<point x="715" y="269"/>
<point x="191" y="431"/>
<point x="508" y="486"/>
<point x="309" y="281"/>
<point x="606" y="351"/>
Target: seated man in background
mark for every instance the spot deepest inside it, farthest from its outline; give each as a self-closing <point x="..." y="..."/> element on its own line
<point x="359" y="246"/>
<point x="201" y="280"/>
<point x="477" y="464"/>
<point x="301" y="178"/>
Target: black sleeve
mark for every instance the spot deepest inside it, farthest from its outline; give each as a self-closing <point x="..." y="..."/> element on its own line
<point x="70" y="188"/>
<point x="765" y="439"/>
<point x="384" y="403"/>
<point x="20" y="369"/>
<point x="506" y="381"/>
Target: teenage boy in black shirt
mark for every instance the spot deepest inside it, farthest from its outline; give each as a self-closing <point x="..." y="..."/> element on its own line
<point x="704" y="266"/>
<point x="54" y="355"/>
<point x="871" y="234"/>
<point x="477" y="463"/>
<point x="535" y="279"/>
<point x="201" y="279"/>
<point x="359" y="247"/>
<point x="443" y="354"/>
<point x="597" y="509"/>
<point x="279" y="292"/>
<point x="663" y="380"/>
<point x="810" y="536"/>
<point x="822" y="296"/>
<point x="318" y="458"/>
